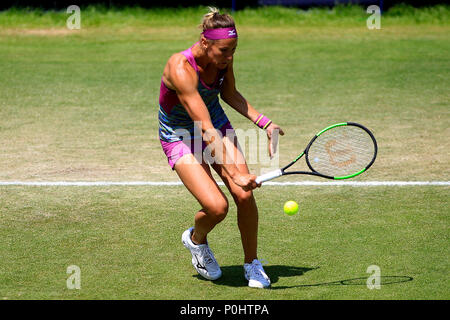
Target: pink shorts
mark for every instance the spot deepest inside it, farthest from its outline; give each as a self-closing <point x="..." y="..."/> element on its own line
<point x="175" y="150"/>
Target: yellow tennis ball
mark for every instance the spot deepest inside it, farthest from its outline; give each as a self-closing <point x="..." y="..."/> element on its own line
<point x="290" y="208"/>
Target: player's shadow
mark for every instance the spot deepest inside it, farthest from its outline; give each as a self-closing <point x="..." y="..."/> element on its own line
<point x="233" y="276"/>
<point x="384" y="280"/>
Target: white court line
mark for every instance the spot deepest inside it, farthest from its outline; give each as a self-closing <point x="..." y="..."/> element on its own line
<point x="178" y="183"/>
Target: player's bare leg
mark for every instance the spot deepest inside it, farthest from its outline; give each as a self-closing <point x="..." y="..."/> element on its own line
<point x="247" y="211"/>
<point x="198" y="180"/>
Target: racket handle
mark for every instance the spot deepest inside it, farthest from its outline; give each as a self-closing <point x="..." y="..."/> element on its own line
<point x="269" y="176"/>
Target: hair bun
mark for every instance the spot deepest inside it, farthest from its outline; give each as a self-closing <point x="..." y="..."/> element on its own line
<point x="214" y="19"/>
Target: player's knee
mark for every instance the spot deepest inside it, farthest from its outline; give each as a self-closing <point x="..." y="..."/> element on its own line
<point x="218" y="210"/>
<point x="244" y="197"/>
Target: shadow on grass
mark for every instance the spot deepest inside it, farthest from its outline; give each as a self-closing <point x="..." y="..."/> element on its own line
<point x="233" y="276"/>
<point x="384" y="280"/>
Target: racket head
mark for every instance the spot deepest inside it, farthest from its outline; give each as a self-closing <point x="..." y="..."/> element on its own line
<point x="341" y="151"/>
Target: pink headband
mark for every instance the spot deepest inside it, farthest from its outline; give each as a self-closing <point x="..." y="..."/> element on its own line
<point x="220" y="33"/>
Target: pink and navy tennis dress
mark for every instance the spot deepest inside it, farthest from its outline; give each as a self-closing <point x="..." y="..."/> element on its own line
<point x="176" y="128"/>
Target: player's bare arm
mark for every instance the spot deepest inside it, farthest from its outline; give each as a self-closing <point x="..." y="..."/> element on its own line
<point x="183" y="78"/>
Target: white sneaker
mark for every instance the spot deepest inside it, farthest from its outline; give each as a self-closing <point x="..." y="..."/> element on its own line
<point x="202" y="257"/>
<point x="255" y="275"/>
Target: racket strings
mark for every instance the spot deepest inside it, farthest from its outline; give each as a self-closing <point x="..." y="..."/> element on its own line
<point x="341" y="151"/>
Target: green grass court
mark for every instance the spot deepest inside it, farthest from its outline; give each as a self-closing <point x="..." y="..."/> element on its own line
<point x="82" y="106"/>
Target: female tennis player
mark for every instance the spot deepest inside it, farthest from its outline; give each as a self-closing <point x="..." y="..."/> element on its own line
<point x="193" y="123"/>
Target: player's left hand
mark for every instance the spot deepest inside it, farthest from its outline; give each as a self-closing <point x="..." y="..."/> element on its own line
<point x="272" y="134"/>
<point x="246" y="181"/>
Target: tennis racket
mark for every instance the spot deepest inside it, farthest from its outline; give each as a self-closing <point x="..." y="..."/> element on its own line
<point x="340" y="151"/>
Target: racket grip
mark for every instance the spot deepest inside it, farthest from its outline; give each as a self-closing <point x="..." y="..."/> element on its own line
<point x="269" y="176"/>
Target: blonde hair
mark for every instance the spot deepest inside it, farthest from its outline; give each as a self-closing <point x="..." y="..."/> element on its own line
<point x="214" y="19"/>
